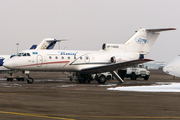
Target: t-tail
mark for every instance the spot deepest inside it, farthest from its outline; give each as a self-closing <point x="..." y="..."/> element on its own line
<point x="143" y="40"/>
<point x="48" y="43"/>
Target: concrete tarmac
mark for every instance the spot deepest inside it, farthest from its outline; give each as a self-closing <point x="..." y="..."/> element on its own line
<point x="53" y="96"/>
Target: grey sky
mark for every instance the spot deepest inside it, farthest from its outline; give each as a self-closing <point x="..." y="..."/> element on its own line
<point x="88" y="23"/>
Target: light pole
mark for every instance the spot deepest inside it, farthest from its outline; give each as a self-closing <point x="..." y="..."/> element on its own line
<point x="17" y="47"/>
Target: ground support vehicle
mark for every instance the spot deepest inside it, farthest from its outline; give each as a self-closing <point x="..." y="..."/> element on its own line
<point x="134" y="73"/>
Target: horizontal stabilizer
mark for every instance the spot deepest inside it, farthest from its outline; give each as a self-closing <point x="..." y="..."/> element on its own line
<point x="115" y="66"/>
<point x="161" y="29"/>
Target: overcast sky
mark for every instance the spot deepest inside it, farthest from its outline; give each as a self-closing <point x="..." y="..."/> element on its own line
<point x="87" y="24"/>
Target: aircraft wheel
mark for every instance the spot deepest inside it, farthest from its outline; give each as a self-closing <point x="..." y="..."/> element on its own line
<point x="146" y="78"/>
<point x="30" y="80"/>
<point x="133" y="76"/>
<point x="102" y="79"/>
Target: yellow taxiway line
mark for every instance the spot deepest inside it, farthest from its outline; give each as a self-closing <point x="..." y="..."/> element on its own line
<point x="88" y="116"/>
<point x="36" y="115"/>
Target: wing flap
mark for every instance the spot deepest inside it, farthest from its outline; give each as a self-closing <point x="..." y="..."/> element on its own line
<point x="115" y="66"/>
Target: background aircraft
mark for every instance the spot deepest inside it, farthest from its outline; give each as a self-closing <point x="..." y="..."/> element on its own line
<point x="111" y="58"/>
<point x="173" y="68"/>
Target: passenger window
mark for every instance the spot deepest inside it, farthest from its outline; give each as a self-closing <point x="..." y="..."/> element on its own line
<point x="68" y="57"/>
<point x="56" y="57"/>
<point x="50" y="57"/>
<point x="62" y="57"/>
<point x="74" y="57"/>
<point x="81" y="58"/>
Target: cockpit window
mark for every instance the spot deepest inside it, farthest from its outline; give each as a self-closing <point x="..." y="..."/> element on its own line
<point x="23" y="54"/>
<point x="28" y="54"/>
<point x="20" y="54"/>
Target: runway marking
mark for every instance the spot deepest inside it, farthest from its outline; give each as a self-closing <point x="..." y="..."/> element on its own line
<point x="132" y="117"/>
<point x="36" y="115"/>
<point x="87" y="116"/>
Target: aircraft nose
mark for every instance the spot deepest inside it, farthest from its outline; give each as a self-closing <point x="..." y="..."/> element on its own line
<point x="9" y="64"/>
<point x="165" y="69"/>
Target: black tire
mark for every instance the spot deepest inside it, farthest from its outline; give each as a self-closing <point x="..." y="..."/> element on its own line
<point x="22" y="79"/>
<point x="30" y="80"/>
<point x="19" y="79"/>
<point x="133" y="76"/>
<point x="102" y="79"/>
<point x="7" y="79"/>
<point x="146" y="77"/>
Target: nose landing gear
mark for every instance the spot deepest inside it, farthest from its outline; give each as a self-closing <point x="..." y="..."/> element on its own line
<point x="28" y="78"/>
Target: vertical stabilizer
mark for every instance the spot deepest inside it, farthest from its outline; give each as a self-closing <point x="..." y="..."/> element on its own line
<point x="45" y="43"/>
<point x="143" y="40"/>
<point x="48" y="43"/>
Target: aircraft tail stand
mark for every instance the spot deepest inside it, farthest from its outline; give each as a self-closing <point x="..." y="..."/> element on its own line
<point x="114" y="73"/>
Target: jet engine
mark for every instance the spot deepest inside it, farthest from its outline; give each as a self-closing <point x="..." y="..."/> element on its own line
<point x="113" y="59"/>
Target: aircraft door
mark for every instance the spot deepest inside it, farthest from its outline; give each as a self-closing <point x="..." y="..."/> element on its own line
<point x="39" y="60"/>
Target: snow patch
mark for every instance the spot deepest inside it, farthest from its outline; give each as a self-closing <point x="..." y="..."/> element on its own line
<point x="161" y="87"/>
<point x="108" y="85"/>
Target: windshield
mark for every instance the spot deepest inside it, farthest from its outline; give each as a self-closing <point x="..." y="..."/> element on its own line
<point x="20" y="54"/>
<point x="23" y="54"/>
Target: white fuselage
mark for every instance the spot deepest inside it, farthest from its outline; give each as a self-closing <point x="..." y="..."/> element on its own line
<point x="173" y="68"/>
<point x="67" y="60"/>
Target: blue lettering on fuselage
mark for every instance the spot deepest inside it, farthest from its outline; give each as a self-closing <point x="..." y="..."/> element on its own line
<point x="68" y="53"/>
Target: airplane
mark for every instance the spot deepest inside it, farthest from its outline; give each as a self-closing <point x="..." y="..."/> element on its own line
<point x="173" y="68"/>
<point x="110" y="58"/>
<point x="47" y="43"/>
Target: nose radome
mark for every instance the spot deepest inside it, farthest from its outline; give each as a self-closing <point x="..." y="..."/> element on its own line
<point x="8" y="64"/>
<point x="164" y="69"/>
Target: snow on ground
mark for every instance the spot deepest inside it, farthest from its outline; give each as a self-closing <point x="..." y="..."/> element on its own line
<point x="108" y="85"/>
<point x="159" y="87"/>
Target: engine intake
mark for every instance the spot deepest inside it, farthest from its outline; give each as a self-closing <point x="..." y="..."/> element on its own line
<point x="113" y="59"/>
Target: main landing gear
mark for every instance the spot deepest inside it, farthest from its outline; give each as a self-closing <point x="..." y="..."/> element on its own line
<point x="100" y="78"/>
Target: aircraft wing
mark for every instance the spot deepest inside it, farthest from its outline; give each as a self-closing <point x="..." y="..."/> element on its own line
<point x="115" y="66"/>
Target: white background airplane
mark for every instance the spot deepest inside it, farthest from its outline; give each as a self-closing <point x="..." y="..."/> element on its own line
<point x="112" y="57"/>
<point x="173" y="68"/>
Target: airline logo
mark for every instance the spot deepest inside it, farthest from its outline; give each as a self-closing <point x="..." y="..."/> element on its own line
<point x="44" y="46"/>
<point x="68" y="53"/>
<point x="141" y="40"/>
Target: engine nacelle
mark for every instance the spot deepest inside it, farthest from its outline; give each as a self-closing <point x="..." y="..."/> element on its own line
<point x="117" y="59"/>
<point x="113" y="46"/>
<point x="113" y="59"/>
